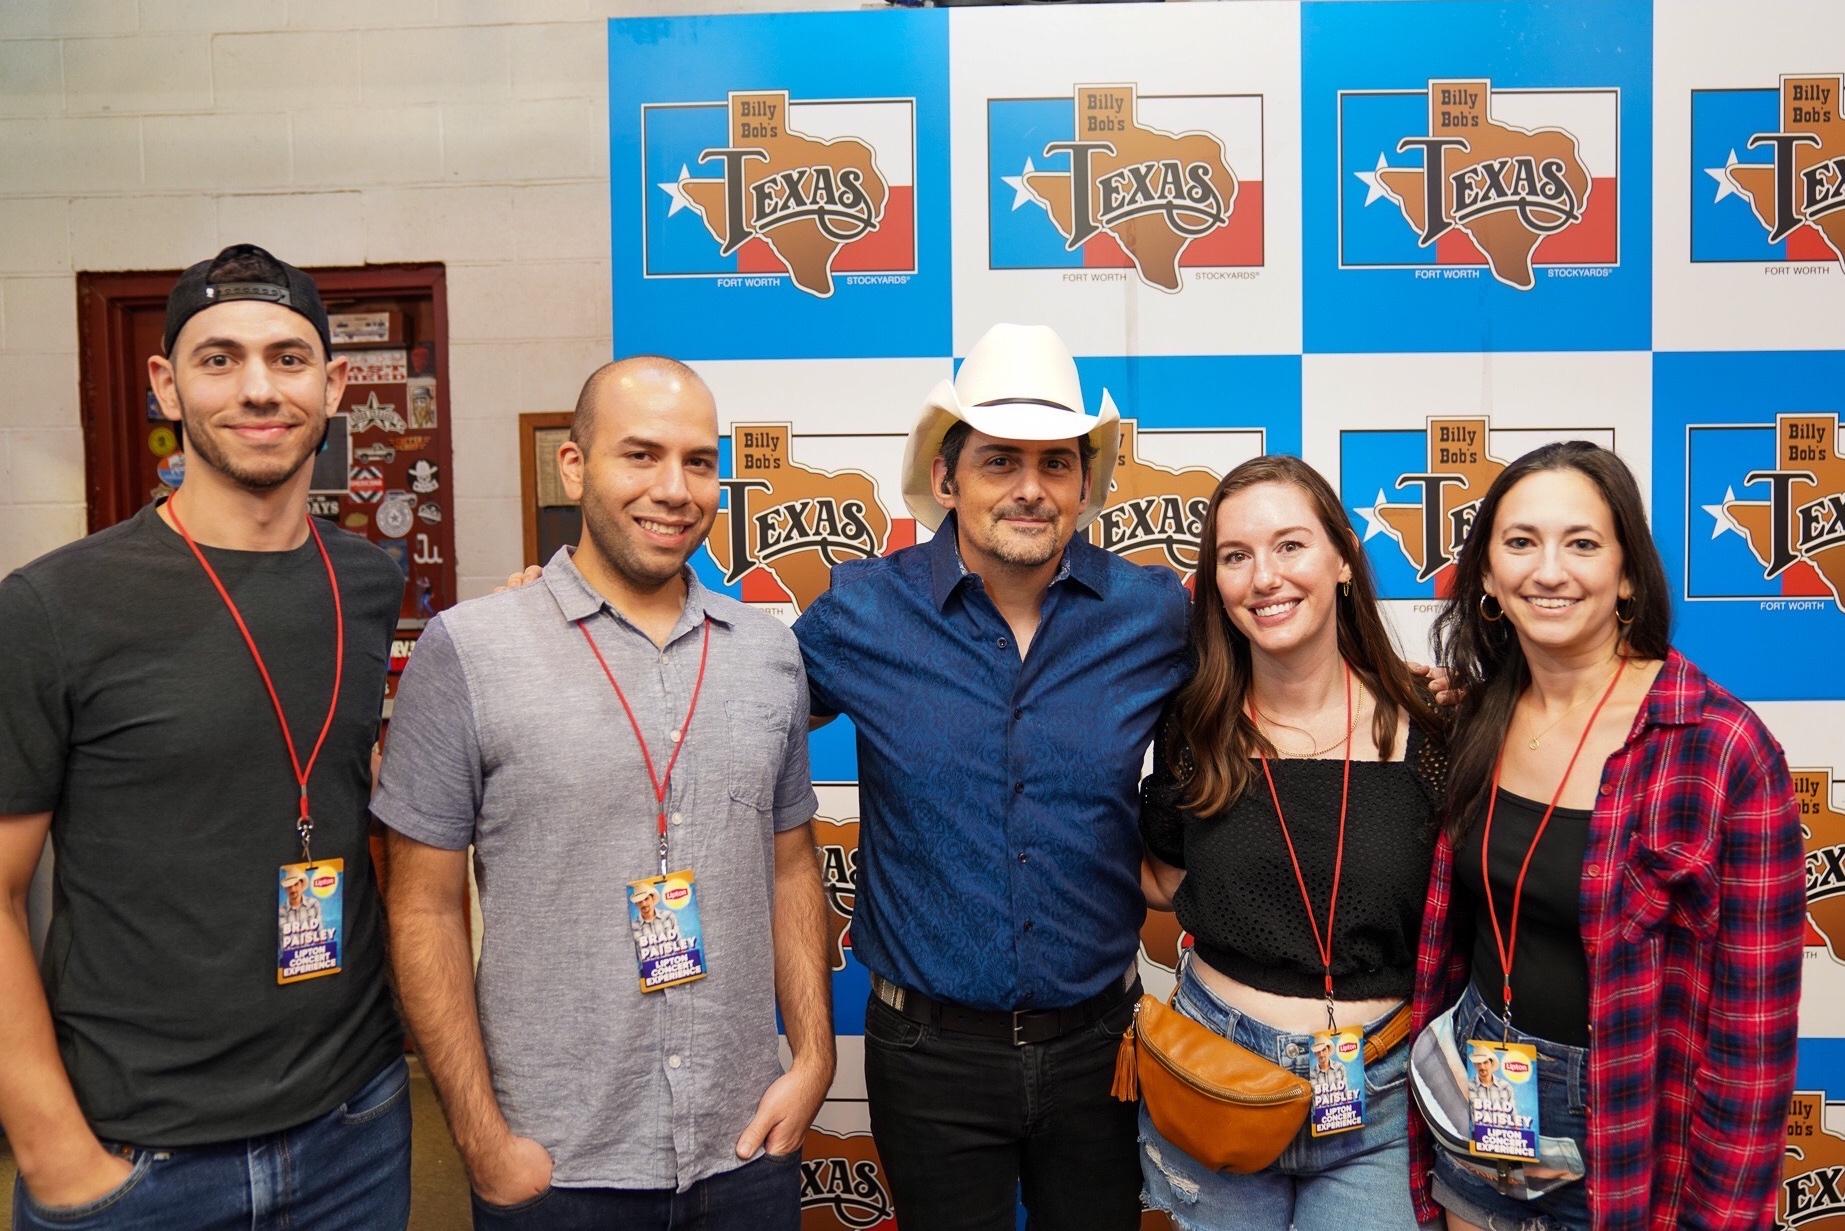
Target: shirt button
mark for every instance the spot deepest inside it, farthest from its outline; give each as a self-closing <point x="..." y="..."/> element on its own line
<point x="1002" y="643"/>
<point x="673" y="735"/>
<point x="1028" y="997"/>
<point x="678" y="818"/>
<point x="673" y="1061"/>
<point x="1607" y="789"/>
<point x="1593" y="871"/>
<point x="1024" y="858"/>
<point x="1018" y="788"/>
<point x="1018" y="713"/>
<point x="1028" y="925"/>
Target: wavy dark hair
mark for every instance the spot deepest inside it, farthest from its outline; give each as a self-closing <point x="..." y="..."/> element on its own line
<point x="1212" y="739"/>
<point x="1483" y="656"/>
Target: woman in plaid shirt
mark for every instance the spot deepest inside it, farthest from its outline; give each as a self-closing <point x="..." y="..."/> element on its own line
<point x="1656" y="942"/>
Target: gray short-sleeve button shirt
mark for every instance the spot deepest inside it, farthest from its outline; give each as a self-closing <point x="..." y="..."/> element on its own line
<point x="505" y="734"/>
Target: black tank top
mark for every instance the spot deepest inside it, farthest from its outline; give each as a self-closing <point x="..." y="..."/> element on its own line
<point x="1550" y="970"/>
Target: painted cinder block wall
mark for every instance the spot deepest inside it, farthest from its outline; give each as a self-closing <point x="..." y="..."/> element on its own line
<point x="147" y="134"/>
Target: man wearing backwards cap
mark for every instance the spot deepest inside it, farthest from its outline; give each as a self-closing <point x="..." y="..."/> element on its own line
<point x="1005" y="679"/>
<point x="162" y="1074"/>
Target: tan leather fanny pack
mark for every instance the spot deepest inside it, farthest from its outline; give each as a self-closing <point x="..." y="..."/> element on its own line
<point x="1227" y="1107"/>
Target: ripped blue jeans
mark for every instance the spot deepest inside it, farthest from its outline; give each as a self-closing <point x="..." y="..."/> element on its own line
<point x="1353" y="1179"/>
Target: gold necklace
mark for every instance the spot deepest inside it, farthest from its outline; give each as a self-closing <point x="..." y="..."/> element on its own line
<point x="1619" y="662"/>
<point x="1301" y="756"/>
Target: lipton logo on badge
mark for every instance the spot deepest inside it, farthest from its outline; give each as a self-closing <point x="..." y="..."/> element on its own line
<point x="1512" y="179"/>
<point x="1800" y="525"/>
<point x="1791" y="181"/>
<point x="792" y="521"/>
<point x="1154" y="515"/>
<point x="836" y="842"/>
<point x="1823" y="829"/>
<point x="787" y="187"/>
<point x="842" y="1183"/>
<point x="1125" y="189"/>
<point x="1430" y="528"/>
<point x="1812" y="1195"/>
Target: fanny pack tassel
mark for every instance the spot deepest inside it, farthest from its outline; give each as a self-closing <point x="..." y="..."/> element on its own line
<point x="1127" y="1079"/>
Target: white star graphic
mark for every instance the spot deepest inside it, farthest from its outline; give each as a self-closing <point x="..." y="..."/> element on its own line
<point x="1374" y="518"/>
<point x="1725" y="523"/>
<point x="672" y="190"/>
<point x="1726" y="187"/>
<point x="1373" y="181"/>
<point x="1021" y="191"/>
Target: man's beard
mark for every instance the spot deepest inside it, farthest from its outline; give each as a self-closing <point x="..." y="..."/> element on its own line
<point x="619" y="549"/>
<point x="200" y="441"/>
<point x="1026" y="552"/>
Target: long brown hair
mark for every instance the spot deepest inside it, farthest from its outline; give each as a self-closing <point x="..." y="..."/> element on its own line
<point x="1483" y="656"/>
<point x="1212" y="739"/>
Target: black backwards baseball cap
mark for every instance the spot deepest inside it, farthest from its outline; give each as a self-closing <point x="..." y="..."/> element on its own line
<point x="244" y="271"/>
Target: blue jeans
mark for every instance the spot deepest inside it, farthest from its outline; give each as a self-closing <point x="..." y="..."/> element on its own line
<point x="1563" y="1080"/>
<point x="761" y="1195"/>
<point x="1358" y="1178"/>
<point x="349" y="1169"/>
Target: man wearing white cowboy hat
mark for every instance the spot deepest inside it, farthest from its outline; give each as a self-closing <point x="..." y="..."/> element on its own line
<point x="1004" y="678"/>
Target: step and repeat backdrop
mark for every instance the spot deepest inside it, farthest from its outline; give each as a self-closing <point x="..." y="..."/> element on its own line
<point x="1407" y="241"/>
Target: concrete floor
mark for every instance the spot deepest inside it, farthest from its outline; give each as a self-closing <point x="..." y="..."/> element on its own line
<point x="438" y="1185"/>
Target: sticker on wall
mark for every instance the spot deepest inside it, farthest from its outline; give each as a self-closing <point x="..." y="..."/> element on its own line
<point x="161" y="441"/>
<point x="396" y="514"/>
<point x="423" y="477"/>
<point x="153" y="408"/>
<point x="375" y="452"/>
<point x="1493" y="177"/>
<point x="366" y="484"/>
<point x="172" y="469"/>
<point x="422" y="398"/>
<point x="371" y="413"/>
<point x="397" y="549"/>
<point x="774" y="193"/>
<point x="348" y="327"/>
<point x="323" y="506"/>
<point x="410" y="444"/>
<point x="376" y="367"/>
<point x="429" y="512"/>
<point x="356" y="521"/>
<point x="1108" y="178"/>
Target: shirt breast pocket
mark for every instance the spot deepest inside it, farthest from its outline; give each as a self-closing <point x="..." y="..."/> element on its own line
<point x="758" y="739"/>
<point x="1666" y="887"/>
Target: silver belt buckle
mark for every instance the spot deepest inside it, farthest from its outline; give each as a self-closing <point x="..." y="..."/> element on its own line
<point x="1016" y="1027"/>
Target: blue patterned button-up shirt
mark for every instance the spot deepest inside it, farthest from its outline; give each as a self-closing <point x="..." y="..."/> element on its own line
<point x="999" y="847"/>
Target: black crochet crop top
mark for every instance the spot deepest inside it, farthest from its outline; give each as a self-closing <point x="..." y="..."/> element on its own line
<point x="1240" y="902"/>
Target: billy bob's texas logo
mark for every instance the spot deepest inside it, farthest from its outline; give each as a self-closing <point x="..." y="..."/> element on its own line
<point x="1110" y="178"/>
<point x="1812" y="1196"/>
<point x="762" y="186"/>
<point x="1462" y="175"/>
<point x="1766" y="515"/>
<point x="1413" y="493"/>
<point x="842" y="1183"/>
<point x="1768" y="173"/>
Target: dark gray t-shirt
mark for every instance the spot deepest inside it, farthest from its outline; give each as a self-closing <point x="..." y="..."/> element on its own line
<point x="131" y="709"/>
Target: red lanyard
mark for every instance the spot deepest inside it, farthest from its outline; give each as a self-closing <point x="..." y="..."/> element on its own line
<point x="304" y="823"/>
<point x="661" y="782"/>
<point x="1508" y="945"/>
<point x="1323" y="943"/>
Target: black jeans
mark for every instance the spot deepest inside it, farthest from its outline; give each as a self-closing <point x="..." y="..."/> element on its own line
<point x="964" y="1125"/>
<point x="764" y="1195"/>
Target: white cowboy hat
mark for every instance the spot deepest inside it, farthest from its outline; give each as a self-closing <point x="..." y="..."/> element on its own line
<point x="1018" y="383"/>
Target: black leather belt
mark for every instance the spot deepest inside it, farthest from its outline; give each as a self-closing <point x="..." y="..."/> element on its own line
<point x="1018" y="1027"/>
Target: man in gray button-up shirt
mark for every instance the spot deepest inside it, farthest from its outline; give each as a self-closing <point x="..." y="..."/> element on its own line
<point x="573" y="1094"/>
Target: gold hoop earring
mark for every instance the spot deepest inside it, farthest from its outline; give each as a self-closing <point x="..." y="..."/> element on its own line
<point x="1488" y="616"/>
<point x="1632" y="612"/>
<point x="1345" y="588"/>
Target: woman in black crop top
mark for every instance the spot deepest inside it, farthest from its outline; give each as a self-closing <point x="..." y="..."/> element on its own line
<point x="1302" y="736"/>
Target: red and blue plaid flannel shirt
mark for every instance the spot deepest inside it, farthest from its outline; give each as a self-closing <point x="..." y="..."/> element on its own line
<point x="1693" y="916"/>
